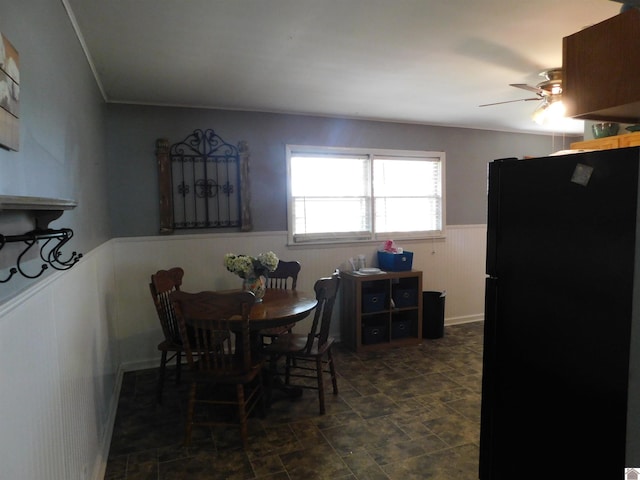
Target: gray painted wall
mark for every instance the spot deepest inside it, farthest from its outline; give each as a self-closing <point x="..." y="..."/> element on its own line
<point x="62" y="130"/>
<point x="74" y="146"/>
<point x="133" y="130"/>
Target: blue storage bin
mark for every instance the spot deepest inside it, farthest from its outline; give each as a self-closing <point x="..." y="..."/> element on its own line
<point x="395" y="262"/>
<point x="405" y="297"/>
<point x="373" y="302"/>
<point x="374" y="334"/>
<point x="400" y="329"/>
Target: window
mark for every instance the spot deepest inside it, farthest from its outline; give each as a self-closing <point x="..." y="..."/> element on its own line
<point x="348" y="194"/>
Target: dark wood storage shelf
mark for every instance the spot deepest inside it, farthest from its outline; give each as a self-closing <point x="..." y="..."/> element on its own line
<point x="370" y="318"/>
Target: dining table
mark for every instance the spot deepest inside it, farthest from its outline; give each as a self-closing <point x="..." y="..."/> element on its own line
<point x="281" y="307"/>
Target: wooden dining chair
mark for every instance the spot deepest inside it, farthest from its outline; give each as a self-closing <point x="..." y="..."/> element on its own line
<point x="300" y="350"/>
<point x="163" y="282"/>
<point x="284" y="276"/>
<point x="218" y="353"/>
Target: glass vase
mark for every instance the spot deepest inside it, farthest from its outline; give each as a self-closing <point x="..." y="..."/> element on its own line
<point x="256" y="284"/>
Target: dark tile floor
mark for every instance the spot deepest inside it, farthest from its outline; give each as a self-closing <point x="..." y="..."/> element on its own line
<point x="401" y="414"/>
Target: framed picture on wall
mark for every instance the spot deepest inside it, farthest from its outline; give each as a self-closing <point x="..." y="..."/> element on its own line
<point x="9" y="95"/>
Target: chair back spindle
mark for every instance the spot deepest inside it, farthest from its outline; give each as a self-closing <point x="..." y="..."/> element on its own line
<point x="285" y="275"/>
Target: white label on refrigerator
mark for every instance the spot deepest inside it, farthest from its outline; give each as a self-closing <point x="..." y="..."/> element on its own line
<point x="582" y="174"/>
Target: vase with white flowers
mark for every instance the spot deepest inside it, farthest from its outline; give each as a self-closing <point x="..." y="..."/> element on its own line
<point x="253" y="270"/>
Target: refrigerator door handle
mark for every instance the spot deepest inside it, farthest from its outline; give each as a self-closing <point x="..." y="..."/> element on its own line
<point x="487" y="455"/>
<point x="493" y="210"/>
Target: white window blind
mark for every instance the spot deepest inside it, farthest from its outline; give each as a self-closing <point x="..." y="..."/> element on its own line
<point x="346" y="194"/>
<point x="408" y="194"/>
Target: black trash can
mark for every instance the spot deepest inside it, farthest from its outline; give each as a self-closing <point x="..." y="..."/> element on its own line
<point x="433" y="314"/>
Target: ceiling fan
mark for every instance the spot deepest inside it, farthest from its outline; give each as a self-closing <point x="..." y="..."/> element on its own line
<point x="549" y="91"/>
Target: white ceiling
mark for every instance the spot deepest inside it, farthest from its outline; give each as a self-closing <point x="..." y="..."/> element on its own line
<point x="416" y="61"/>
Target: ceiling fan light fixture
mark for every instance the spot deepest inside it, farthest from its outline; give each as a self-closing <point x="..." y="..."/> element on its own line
<point x="556" y="110"/>
<point x="549" y="111"/>
<point x="540" y="113"/>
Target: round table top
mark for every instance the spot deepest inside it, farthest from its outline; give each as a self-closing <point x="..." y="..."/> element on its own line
<point x="281" y="307"/>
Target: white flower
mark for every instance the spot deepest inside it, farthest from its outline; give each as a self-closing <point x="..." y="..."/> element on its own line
<point x="246" y="266"/>
<point x="269" y="260"/>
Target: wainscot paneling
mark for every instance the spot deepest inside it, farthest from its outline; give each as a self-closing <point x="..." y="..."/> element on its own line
<point x="454" y="264"/>
<point x="68" y="338"/>
<point x="60" y="375"/>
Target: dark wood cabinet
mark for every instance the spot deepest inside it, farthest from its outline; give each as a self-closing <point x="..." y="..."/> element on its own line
<point x="381" y="310"/>
<point x="601" y="68"/>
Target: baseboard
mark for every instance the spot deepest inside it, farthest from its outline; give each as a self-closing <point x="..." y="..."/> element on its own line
<point x="100" y="465"/>
<point x="463" y="319"/>
<point x="141" y="364"/>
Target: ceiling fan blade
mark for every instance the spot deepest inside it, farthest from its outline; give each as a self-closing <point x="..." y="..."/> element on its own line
<point x="524" y="86"/>
<point x="509" y="101"/>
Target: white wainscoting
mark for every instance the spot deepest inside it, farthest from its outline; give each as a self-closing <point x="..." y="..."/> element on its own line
<point x="454" y="264"/>
<point x="67" y="339"/>
<point x="58" y="377"/>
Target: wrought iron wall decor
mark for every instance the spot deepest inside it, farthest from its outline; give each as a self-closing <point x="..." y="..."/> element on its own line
<point x="203" y="183"/>
<point x="47" y="241"/>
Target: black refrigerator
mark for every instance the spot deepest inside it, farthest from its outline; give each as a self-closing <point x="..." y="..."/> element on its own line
<point x="560" y="361"/>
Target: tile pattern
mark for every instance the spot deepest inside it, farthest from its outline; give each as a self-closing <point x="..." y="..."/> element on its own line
<point x="401" y="414"/>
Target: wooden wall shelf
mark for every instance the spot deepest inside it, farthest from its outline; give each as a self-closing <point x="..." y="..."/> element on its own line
<point x="47" y="240"/>
<point x="15" y="202"/>
<point x="45" y="210"/>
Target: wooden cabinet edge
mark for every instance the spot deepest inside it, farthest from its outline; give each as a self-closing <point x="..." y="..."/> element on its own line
<point x="607" y="143"/>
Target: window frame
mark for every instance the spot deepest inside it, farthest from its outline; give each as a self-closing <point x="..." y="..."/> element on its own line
<point x="371" y="235"/>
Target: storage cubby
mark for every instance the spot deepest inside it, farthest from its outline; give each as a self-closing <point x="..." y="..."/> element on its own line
<point x="404" y="325"/>
<point x="381" y="310"/>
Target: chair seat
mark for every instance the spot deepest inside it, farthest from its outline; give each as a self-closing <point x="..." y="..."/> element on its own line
<point x="177" y="346"/>
<point x="296" y="344"/>
<point x="276" y="331"/>
<point x="236" y="373"/>
<point x="170" y="346"/>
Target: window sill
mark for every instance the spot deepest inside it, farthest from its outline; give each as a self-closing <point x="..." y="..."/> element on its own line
<point x="441" y="235"/>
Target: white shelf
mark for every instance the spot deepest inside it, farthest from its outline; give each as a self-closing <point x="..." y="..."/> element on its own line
<point x="14" y="202"/>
